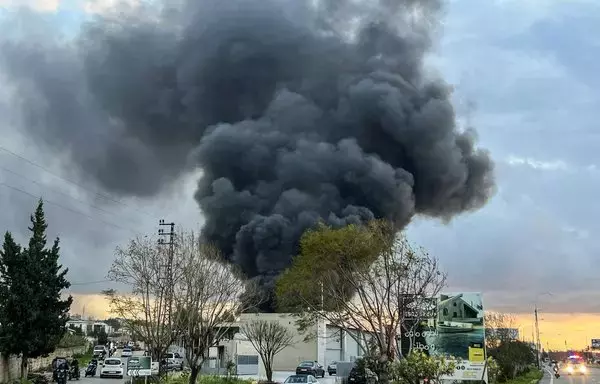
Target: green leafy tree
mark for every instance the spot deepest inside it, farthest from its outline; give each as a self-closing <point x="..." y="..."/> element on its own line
<point x="418" y="366"/>
<point x="32" y="314"/>
<point x="369" y="279"/>
<point x="101" y="337"/>
<point x="513" y="358"/>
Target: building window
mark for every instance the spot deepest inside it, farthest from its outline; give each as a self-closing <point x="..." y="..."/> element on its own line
<point x="445" y="311"/>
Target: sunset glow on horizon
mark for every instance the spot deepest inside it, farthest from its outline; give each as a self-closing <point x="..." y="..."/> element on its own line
<point x="557" y="330"/>
<point x="576" y="329"/>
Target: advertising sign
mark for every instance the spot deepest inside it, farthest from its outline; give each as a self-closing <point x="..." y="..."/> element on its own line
<point x="595" y="343"/>
<point x="139" y="366"/>
<point x="452" y="326"/>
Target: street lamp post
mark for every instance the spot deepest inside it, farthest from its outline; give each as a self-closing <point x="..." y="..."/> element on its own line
<point x="537" y="328"/>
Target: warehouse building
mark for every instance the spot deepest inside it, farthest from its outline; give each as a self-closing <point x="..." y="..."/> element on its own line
<point x="323" y="343"/>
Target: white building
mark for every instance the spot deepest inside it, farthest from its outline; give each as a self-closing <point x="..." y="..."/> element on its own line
<point x="323" y="343"/>
<point x="89" y="327"/>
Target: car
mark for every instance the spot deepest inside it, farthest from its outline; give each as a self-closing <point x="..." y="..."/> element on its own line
<point x="332" y="368"/>
<point x="173" y="360"/>
<point x="576" y="369"/>
<point x="365" y="376"/>
<point x="126" y="352"/>
<point x="310" y="368"/>
<point x="113" y="367"/>
<point x="99" y="350"/>
<point x="300" y="379"/>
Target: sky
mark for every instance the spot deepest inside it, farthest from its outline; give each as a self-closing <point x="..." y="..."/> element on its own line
<point x="524" y="77"/>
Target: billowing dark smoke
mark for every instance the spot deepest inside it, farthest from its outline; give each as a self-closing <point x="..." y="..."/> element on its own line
<point x="296" y="110"/>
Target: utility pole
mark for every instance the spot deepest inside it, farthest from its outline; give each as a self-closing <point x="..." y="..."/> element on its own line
<point x="171" y="244"/>
<point x="537" y="331"/>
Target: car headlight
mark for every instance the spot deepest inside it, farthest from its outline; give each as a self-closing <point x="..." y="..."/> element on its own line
<point x="569" y="369"/>
<point x="583" y="368"/>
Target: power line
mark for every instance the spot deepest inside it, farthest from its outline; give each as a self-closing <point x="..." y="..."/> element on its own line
<point x="91" y="282"/>
<point x="65" y="208"/>
<point x="79" y="185"/>
<point x="56" y="190"/>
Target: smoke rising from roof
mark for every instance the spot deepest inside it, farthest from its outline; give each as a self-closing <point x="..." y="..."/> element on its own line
<point x="296" y="111"/>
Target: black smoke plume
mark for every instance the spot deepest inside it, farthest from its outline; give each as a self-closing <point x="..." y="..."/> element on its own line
<point x="296" y="111"/>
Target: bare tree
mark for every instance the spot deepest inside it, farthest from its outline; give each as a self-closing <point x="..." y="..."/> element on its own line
<point x="499" y="329"/>
<point x="268" y="338"/>
<point x="378" y="293"/>
<point x="213" y="297"/>
<point x="149" y="308"/>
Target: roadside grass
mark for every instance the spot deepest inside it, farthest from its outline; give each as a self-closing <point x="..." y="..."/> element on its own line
<point x="84" y="359"/>
<point x="531" y="377"/>
<point x="183" y="378"/>
<point x="209" y="379"/>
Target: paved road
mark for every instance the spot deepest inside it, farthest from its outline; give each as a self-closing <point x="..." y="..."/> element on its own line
<point x="592" y="377"/>
<point x="278" y="376"/>
<point x="97" y="380"/>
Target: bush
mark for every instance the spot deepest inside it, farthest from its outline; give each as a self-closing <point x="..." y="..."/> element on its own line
<point x="419" y="366"/>
<point x="35" y="378"/>
<point x="208" y="379"/>
<point x="493" y="370"/>
<point x="513" y="359"/>
<point x="70" y="341"/>
<point x="184" y="378"/>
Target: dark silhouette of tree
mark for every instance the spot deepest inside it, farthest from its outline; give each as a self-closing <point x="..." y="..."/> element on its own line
<point x="101" y="337"/>
<point x="32" y="314"/>
<point x="115" y="324"/>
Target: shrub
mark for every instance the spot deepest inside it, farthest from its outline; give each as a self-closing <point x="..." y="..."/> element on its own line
<point x="35" y="378"/>
<point x="69" y="341"/>
<point x="206" y="379"/>
<point x="419" y="366"/>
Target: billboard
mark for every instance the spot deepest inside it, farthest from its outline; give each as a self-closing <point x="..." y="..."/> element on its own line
<point x="595" y="343"/>
<point x="451" y="326"/>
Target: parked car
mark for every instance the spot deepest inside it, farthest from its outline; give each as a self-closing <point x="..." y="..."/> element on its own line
<point x="126" y="352"/>
<point x="366" y="376"/>
<point x="332" y="368"/>
<point x="113" y="367"/>
<point x="173" y="361"/>
<point x="310" y="368"/>
<point x="300" y="379"/>
<point x="99" y="351"/>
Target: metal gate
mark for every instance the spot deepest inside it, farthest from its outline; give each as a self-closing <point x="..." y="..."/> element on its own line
<point x="247" y="364"/>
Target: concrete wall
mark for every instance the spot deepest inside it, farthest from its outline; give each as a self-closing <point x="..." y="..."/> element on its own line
<point x="10" y="368"/>
<point x="288" y="359"/>
<point x="325" y="343"/>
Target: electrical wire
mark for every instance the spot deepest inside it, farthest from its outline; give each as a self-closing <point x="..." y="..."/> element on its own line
<point x="3" y="184"/>
<point x="92" y="282"/>
<point x="41" y="185"/>
<point x="79" y="185"/>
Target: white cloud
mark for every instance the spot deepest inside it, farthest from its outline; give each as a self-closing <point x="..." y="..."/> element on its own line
<point x="38" y="5"/>
<point x="555" y="165"/>
<point x="549" y="165"/>
<point x="108" y="6"/>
